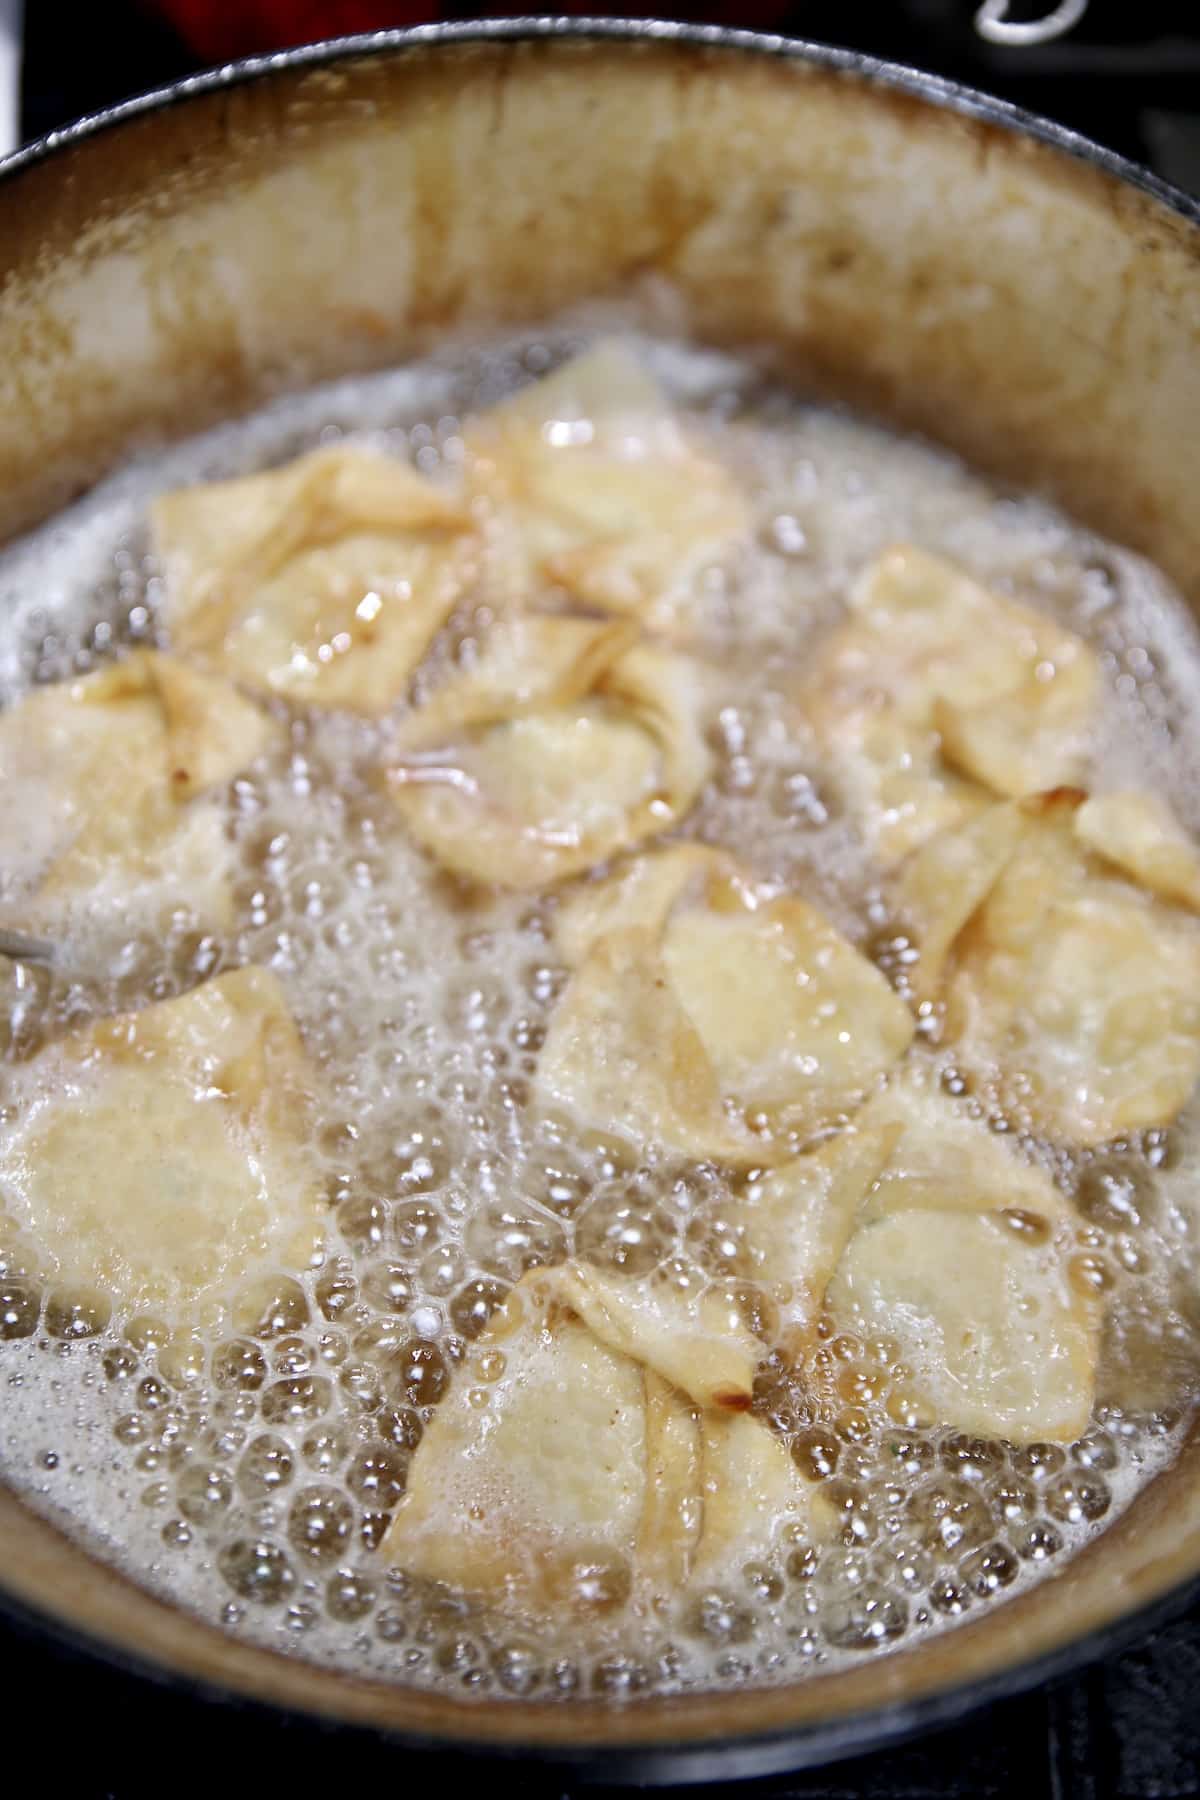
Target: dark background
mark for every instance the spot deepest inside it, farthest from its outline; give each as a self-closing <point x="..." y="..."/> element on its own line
<point x="1127" y="1729"/>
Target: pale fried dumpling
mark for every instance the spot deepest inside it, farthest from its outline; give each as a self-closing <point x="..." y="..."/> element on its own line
<point x="323" y="581"/>
<point x="580" y="1456"/>
<point x="998" y="1344"/>
<point x="943" y="886"/>
<point x="751" y="1494"/>
<point x="1100" y="1033"/>
<point x="799" y="1217"/>
<point x="162" y="1154"/>
<point x="672" y="1507"/>
<point x="1078" y="992"/>
<point x="945" y="882"/>
<point x="889" y="773"/>
<point x="941" y="1157"/>
<point x="743" y="1006"/>
<point x="794" y="1021"/>
<point x="522" y="780"/>
<point x="722" y="1490"/>
<point x="1033" y="737"/>
<point x="686" y="1342"/>
<point x="924" y="631"/>
<point x="961" y="1256"/>
<point x="934" y="679"/>
<point x="526" y="663"/>
<point x="640" y="896"/>
<point x="552" y="1469"/>
<point x="1141" y="835"/>
<point x="599" y="490"/>
<point x="622" y="1055"/>
<point x="213" y="732"/>
<point x="106" y="793"/>
<point x="728" y="1486"/>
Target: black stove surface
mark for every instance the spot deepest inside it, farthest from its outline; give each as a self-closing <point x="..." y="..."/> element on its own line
<point x="1126" y="1729"/>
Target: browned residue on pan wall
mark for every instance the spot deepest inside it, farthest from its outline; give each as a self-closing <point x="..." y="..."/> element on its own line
<point x="1024" y="308"/>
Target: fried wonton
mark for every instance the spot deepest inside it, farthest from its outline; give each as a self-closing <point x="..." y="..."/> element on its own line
<point x="889" y="773"/>
<point x="622" y="1055"/>
<point x="960" y="1253"/>
<point x="937" y="691"/>
<point x="640" y="895"/>
<point x="1073" y="989"/>
<point x="696" y="1004"/>
<point x="585" y="1455"/>
<point x="799" y="1217"/>
<point x="597" y="488"/>
<point x="1140" y="835"/>
<point x="323" y="581"/>
<point x="944" y="883"/>
<point x="161" y="1155"/>
<point x="692" y="1345"/>
<point x="107" y="793"/>
<point x="564" y="742"/>
<point x="998" y="1343"/>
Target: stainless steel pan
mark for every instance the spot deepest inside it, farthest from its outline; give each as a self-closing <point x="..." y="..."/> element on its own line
<point x="875" y="234"/>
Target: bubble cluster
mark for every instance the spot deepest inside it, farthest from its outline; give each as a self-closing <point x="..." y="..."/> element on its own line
<point x="250" y="1468"/>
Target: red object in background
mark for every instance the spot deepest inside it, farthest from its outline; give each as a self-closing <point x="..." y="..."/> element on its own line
<point x="217" y="31"/>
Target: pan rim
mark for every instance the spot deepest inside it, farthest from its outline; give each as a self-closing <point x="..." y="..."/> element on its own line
<point x="951" y="96"/>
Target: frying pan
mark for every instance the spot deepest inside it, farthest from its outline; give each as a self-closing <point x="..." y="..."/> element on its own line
<point x="939" y="259"/>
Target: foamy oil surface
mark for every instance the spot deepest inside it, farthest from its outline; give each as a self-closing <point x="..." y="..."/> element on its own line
<point x="252" y="1480"/>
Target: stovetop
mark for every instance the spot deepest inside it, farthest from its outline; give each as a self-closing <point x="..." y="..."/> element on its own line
<point x="1126" y="1729"/>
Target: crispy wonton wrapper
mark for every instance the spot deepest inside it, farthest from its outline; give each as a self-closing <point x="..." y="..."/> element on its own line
<point x="563" y="743"/>
<point x="324" y="581"/>
<point x="799" y="1217"/>
<point x="597" y="488"/>
<point x="937" y="692"/>
<point x="1140" y="835"/>
<point x="602" y="1445"/>
<point x="695" y="1004"/>
<point x="1066" y="981"/>
<point x="162" y="1155"/>
<point x="107" y="793"/>
<point x="922" y="1226"/>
